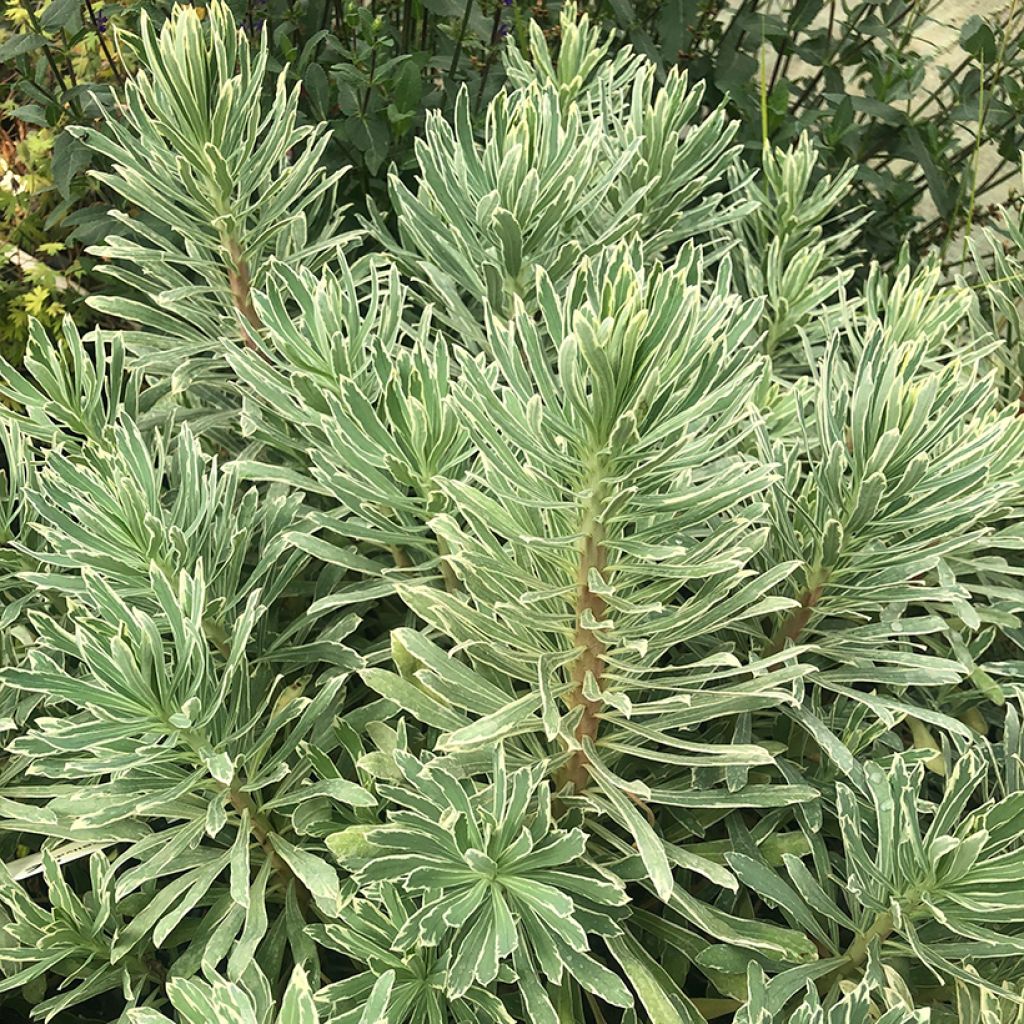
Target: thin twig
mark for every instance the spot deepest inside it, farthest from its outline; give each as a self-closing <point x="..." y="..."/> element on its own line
<point x="103" y="42"/>
<point x="458" y="43"/>
<point x="50" y="59"/>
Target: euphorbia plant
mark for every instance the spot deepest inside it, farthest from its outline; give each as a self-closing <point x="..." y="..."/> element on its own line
<point x="575" y="606"/>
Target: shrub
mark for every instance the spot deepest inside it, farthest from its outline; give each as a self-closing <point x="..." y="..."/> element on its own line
<point x="576" y="608"/>
<point x="928" y="157"/>
<point x="366" y="76"/>
<point x="40" y="264"/>
<point x="890" y="89"/>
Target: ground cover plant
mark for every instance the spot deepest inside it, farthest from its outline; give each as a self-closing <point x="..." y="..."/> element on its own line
<point x="569" y="599"/>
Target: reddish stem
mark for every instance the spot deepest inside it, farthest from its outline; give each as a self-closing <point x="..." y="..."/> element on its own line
<point x="796" y="621"/>
<point x="240" y="282"/>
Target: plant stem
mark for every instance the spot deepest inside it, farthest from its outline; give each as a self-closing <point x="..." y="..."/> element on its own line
<point x="51" y="60"/>
<point x="451" y="581"/>
<point x="973" y="198"/>
<point x="763" y="90"/>
<point x="795" y="623"/>
<point x="933" y="96"/>
<point x="259" y="825"/>
<point x="458" y="42"/>
<point x="813" y="83"/>
<point x="857" y="951"/>
<point x="590" y="661"/>
<point x="856" y="49"/>
<point x="365" y="105"/>
<point x="703" y="23"/>
<point x="72" y="77"/>
<point x="734" y="21"/>
<point x="491" y="50"/>
<point x="406" y="25"/>
<point x="261" y="829"/>
<point x="240" y="283"/>
<point x="595" y="1008"/>
<point x="996" y="178"/>
<point x="958" y="158"/>
<point x="103" y="42"/>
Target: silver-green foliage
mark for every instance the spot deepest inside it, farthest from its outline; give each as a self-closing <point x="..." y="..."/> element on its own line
<point x="585" y="606"/>
<point x="219" y="185"/>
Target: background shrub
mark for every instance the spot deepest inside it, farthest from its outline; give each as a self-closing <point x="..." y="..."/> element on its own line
<point x="855" y="77"/>
<point x="870" y="84"/>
